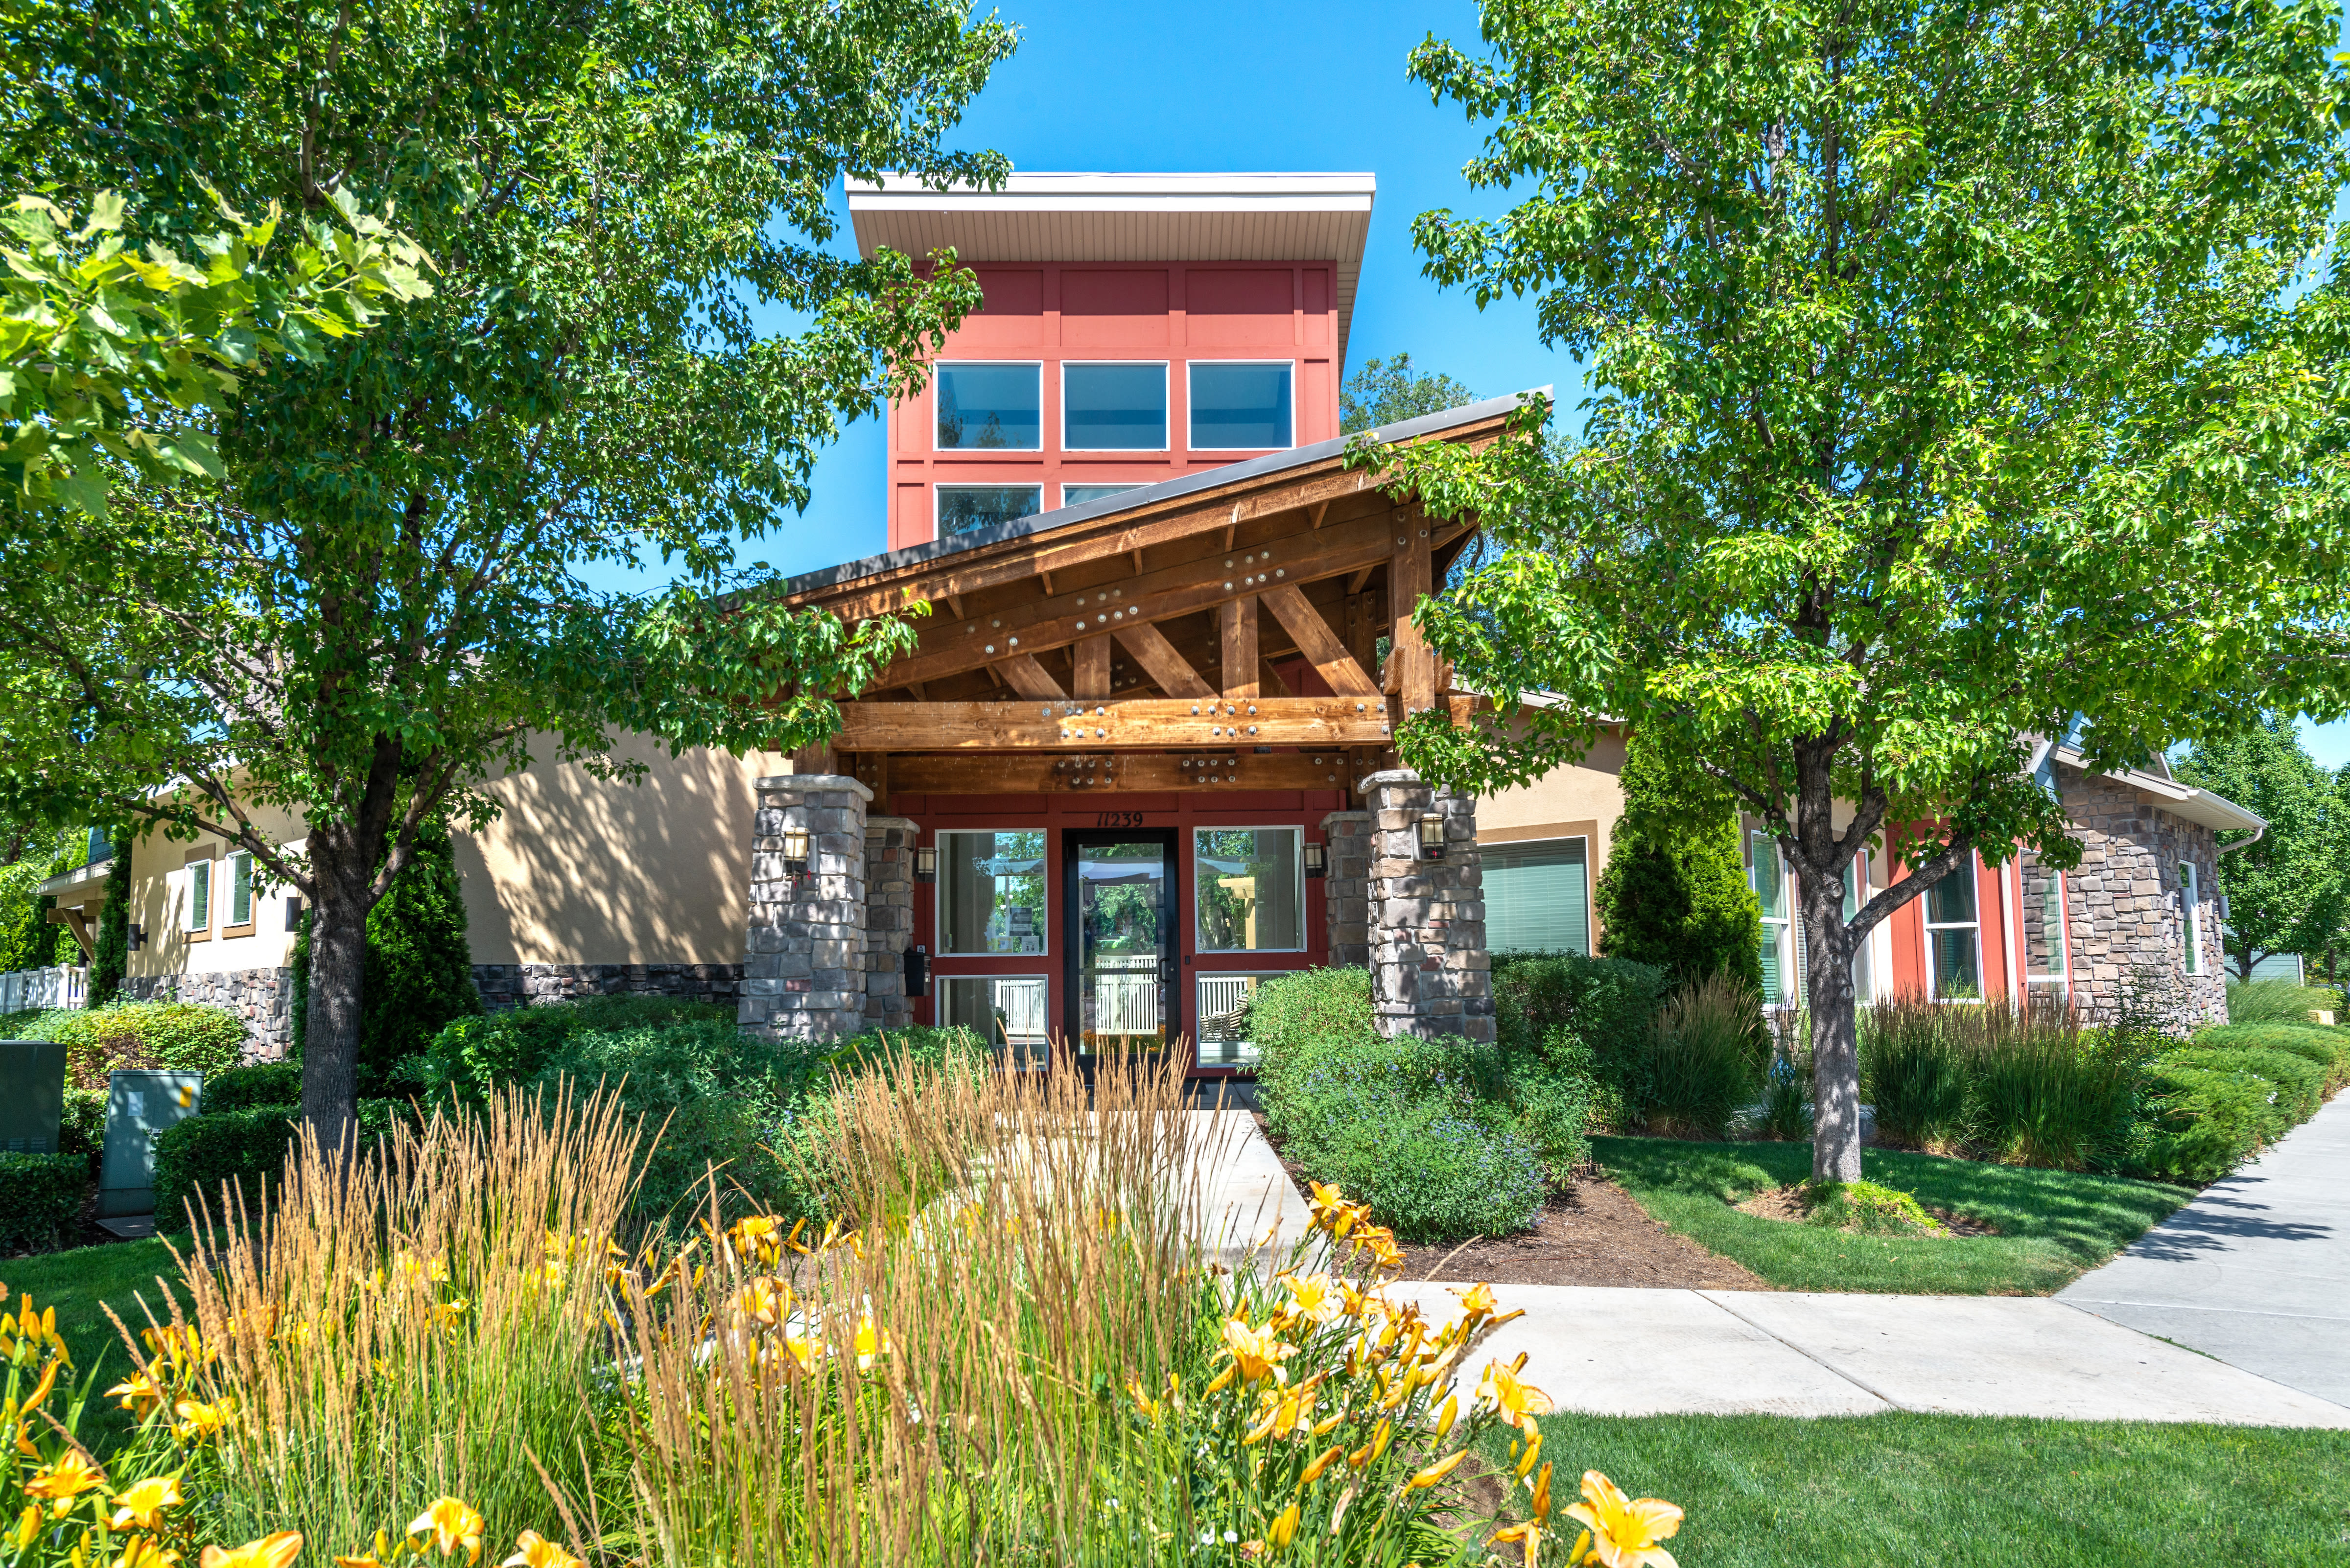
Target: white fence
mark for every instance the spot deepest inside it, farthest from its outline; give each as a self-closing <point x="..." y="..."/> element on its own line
<point x="59" y="985"/>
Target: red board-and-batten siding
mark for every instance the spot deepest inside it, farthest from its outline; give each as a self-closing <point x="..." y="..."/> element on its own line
<point x="1174" y="311"/>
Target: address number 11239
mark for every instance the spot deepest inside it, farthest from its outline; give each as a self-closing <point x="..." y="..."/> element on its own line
<point x="1118" y="819"/>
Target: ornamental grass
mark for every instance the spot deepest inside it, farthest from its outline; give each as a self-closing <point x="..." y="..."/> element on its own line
<point x="1011" y="1346"/>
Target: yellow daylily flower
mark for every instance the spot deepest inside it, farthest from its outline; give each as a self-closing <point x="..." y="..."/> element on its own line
<point x="533" y="1549"/>
<point x="1312" y="1297"/>
<point x="1527" y="1533"/>
<point x="807" y="1355"/>
<point x="1258" y="1353"/>
<point x="1541" y="1500"/>
<point x="69" y="1475"/>
<point x="1534" y="1448"/>
<point x="1444" y="1420"/>
<point x="277" y="1550"/>
<point x="1519" y="1403"/>
<point x="143" y="1503"/>
<point x="1144" y="1404"/>
<point x="1323" y="1462"/>
<point x="872" y="1344"/>
<point x="1284" y="1527"/>
<point x="1330" y="1208"/>
<point x="1625" y="1532"/>
<point x="1477" y="1302"/>
<point x="146" y="1551"/>
<point x="764" y="1300"/>
<point x="451" y="1523"/>
<point x="199" y="1421"/>
<point x="28" y="1526"/>
<point x="1437" y="1471"/>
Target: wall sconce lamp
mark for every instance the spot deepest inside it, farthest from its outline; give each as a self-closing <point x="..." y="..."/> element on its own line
<point x="1315" y="863"/>
<point x="1431" y="837"/>
<point x="795" y="851"/>
<point x="926" y="865"/>
<point x="137" y="939"/>
<point x="293" y="914"/>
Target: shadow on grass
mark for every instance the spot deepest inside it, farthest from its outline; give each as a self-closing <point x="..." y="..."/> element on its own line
<point x="2052" y="1224"/>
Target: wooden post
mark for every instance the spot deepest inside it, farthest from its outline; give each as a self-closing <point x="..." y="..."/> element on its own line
<point x="1236" y="619"/>
<point x="1091" y="676"/>
<point x="1410" y="576"/>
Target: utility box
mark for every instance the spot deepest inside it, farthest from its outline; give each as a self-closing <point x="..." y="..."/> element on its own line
<point x="32" y="1096"/>
<point x="138" y="1105"/>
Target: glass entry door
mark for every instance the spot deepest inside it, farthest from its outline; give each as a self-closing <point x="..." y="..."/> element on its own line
<point x="1124" y="962"/>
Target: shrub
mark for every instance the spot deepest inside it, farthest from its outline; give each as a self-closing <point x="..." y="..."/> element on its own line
<point x="1434" y="1171"/>
<point x="184" y="1036"/>
<point x="1579" y="1015"/>
<point x="2279" y="1002"/>
<point x="1310" y="1008"/>
<point x="2329" y="1048"/>
<point x="2200" y="1121"/>
<point x="474" y="1054"/>
<point x="2300" y="1082"/>
<point x="1675" y="891"/>
<point x="261" y="1084"/>
<point x="40" y="1200"/>
<point x="1868" y="1209"/>
<point x="82" y="1128"/>
<point x="1704" y="1058"/>
<point x="1915" y="1070"/>
<point x="1554" y="1096"/>
<point x="244" y="1148"/>
<point x="2049" y="1098"/>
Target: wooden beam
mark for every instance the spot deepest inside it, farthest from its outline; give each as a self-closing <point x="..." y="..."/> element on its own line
<point x="1156" y="722"/>
<point x="78" y="924"/>
<point x="1028" y="679"/>
<point x="1269" y="680"/>
<point x="948" y="647"/>
<point x="1236" y="631"/>
<point x="1318" y="642"/>
<point x="1160" y="660"/>
<point x="1091" y="677"/>
<point x="1100" y="772"/>
<point x="823" y="757"/>
<point x="1319" y="510"/>
<point x="1410" y="576"/>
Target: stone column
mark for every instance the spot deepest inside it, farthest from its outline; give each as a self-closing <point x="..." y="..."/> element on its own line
<point x="804" y="964"/>
<point x="888" y="919"/>
<point x="1430" y="974"/>
<point x="1347" y="887"/>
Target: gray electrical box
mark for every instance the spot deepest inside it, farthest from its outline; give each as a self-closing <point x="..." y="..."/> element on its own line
<point x="32" y="1096"/>
<point x="138" y="1105"/>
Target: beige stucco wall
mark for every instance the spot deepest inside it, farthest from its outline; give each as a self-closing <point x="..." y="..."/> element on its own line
<point x="1582" y="800"/>
<point x="159" y="901"/>
<point x="582" y="870"/>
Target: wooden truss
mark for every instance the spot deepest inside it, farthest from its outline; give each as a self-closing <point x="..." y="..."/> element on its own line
<point x="1227" y="639"/>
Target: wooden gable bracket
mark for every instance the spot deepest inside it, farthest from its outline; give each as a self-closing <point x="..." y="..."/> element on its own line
<point x="1124" y="723"/>
<point x="1160" y="660"/>
<point x="1320" y="510"/>
<point x="1027" y="678"/>
<point x="1318" y="642"/>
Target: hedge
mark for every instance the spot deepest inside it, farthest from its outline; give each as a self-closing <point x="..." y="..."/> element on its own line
<point x="195" y="1157"/>
<point x="2329" y="1048"/>
<point x="2300" y="1082"/>
<point x="182" y="1037"/>
<point x="2200" y="1121"/>
<point x="263" y="1083"/>
<point x="41" y="1197"/>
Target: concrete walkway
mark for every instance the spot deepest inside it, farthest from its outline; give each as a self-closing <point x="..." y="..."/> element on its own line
<point x="1628" y="1351"/>
<point x="2255" y="1272"/>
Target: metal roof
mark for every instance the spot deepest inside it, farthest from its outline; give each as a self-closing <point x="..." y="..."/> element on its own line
<point x="1165" y="490"/>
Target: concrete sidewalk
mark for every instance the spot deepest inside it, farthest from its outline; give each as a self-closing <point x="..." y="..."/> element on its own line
<point x="2255" y="1272"/>
<point x="1615" y="1352"/>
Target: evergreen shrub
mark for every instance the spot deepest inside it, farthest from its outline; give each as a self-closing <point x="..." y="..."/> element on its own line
<point x="2328" y="1047"/>
<point x="261" y="1084"/>
<point x="41" y="1197"/>
<point x="2299" y="1083"/>
<point x="244" y="1148"/>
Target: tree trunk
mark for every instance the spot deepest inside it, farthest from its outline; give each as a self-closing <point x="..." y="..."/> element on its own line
<point x="1835" y="1046"/>
<point x="330" y="1039"/>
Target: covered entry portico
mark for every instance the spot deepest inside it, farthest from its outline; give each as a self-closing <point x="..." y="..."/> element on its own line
<point x="1140" y="758"/>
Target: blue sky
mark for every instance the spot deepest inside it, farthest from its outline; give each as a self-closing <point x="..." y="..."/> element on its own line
<point x="1216" y="85"/>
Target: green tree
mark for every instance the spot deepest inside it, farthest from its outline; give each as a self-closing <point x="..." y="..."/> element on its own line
<point x="2287" y="890"/>
<point x="1383" y="392"/>
<point x="1675" y="892"/>
<point x="420" y="966"/>
<point x="383" y="603"/>
<point x="1944" y="385"/>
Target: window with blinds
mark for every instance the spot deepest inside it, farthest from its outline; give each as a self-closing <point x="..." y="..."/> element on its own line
<point x="1538" y="896"/>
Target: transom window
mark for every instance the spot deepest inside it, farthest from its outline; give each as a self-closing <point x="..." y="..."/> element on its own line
<point x="1114" y="408"/>
<point x="1078" y="494"/>
<point x="989" y="407"/>
<point x="1241" y="405"/>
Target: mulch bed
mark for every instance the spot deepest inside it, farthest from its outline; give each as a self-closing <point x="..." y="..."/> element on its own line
<point x="1592" y="1235"/>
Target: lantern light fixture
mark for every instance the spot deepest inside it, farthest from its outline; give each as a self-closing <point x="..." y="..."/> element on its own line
<point x="1431" y="837"/>
<point x="1314" y="864"/>
<point x="795" y="851"/>
<point x="925" y="864"/>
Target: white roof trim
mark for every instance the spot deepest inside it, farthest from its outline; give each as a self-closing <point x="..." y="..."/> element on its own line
<point x="1115" y="217"/>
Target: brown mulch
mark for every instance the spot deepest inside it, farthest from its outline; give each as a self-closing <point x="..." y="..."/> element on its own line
<point x="1593" y="1235"/>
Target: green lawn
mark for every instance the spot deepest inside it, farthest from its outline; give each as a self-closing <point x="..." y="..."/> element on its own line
<point x="2053" y="1224"/>
<point x="76" y="1284"/>
<point x="1955" y="1491"/>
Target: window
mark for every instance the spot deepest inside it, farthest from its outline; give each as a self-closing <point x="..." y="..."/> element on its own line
<point x="989" y="407"/>
<point x="2047" y="966"/>
<point x="1538" y="897"/>
<point x="1241" y="405"/>
<point x="1769" y="882"/>
<point x="1114" y="408"/>
<point x="1010" y="1012"/>
<point x="2190" y="905"/>
<point x="1223" y="1000"/>
<point x="965" y="507"/>
<point x="992" y="892"/>
<point x="1951" y="936"/>
<point x="1078" y="494"/>
<point x="199" y="910"/>
<point x="240" y="890"/>
<point x="1248" y="890"/>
